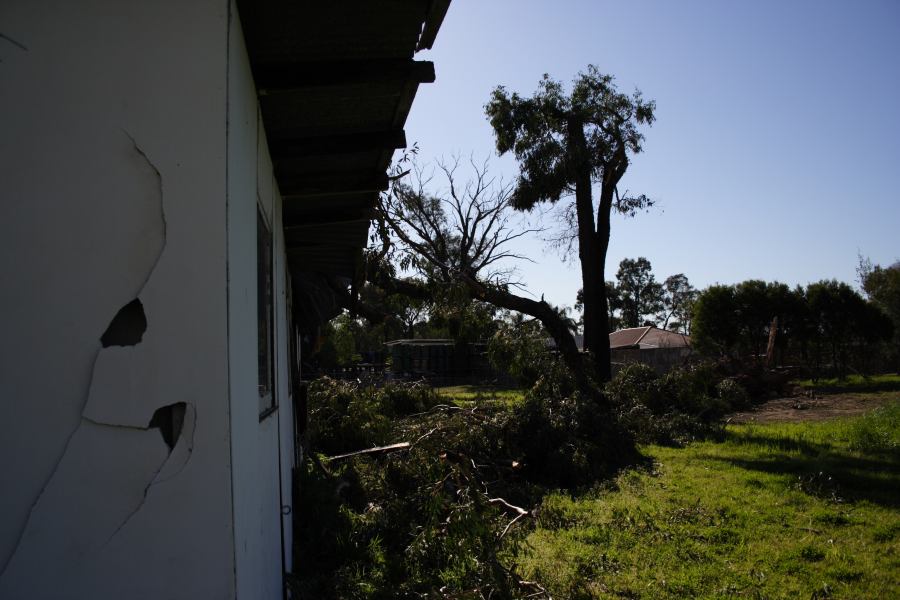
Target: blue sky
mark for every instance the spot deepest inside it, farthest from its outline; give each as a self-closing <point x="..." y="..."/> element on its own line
<point x="776" y="149"/>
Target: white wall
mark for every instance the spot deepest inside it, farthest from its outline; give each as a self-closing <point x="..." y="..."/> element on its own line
<point x="113" y="187"/>
<point x="254" y="443"/>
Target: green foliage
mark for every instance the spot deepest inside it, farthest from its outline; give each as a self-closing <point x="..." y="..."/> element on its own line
<point x="828" y="326"/>
<point x="638" y="298"/>
<point x="463" y="319"/>
<point x="404" y="524"/>
<point x="678" y="303"/>
<point x="735" y="320"/>
<point x="425" y="519"/>
<point x="716" y="325"/>
<point x="338" y="346"/>
<point x="640" y="295"/>
<point x="733" y="394"/>
<point x="565" y="143"/>
<point x="520" y="350"/>
<point x="347" y="416"/>
<point x="842" y="323"/>
<point x="422" y="523"/>
<point x="726" y="518"/>
<point x="677" y="407"/>
<point x="537" y="130"/>
<point x="882" y="286"/>
<point x="566" y="439"/>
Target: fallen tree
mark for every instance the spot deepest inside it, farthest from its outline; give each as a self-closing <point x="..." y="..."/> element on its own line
<point x="456" y="246"/>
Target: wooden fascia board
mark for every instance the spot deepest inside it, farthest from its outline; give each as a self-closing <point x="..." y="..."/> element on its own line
<point x="272" y="79"/>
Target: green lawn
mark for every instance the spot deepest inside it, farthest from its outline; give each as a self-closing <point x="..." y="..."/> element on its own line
<point x="854" y="383"/>
<point x="792" y="510"/>
<point x="468" y="394"/>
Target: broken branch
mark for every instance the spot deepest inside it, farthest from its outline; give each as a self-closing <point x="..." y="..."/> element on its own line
<point x="375" y="450"/>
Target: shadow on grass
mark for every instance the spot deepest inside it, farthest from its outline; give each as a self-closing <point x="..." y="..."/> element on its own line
<point x="821" y="470"/>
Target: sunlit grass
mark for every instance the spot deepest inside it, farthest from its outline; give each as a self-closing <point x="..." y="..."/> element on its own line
<point x="790" y="510"/>
<point x="467" y="395"/>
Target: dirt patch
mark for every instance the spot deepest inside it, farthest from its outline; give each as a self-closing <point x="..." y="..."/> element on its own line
<point x="819" y="408"/>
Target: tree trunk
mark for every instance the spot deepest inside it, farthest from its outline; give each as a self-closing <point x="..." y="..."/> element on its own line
<point x="602" y="353"/>
<point x="611" y="176"/>
<point x="549" y="318"/>
<point x="592" y="256"/>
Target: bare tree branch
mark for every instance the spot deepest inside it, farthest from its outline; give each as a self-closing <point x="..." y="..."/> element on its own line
<point x="462" y="239"/>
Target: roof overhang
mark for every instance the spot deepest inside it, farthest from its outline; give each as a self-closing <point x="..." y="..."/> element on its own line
<point x="336" y="81"/>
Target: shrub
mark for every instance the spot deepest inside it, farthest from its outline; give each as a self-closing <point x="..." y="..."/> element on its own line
<point x="733" y="394"/>
<point x="520" y="351"/>
<point x="409" y="523"/>
<point x="562" y="437"/>
<point x="677" y="407"/>
<point x="424" y="522"/>
<point x="347" y="416"/>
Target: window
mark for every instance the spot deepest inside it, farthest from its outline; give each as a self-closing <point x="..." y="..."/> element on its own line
<point x="264" y="316"/>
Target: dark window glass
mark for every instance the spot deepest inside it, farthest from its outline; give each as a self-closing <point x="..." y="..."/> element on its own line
<point x="264" y="316"/>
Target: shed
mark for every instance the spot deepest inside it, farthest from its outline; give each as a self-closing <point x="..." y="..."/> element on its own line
<point x="441" y="361"/>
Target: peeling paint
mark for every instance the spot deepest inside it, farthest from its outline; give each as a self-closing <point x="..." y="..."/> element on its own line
<point x="156" y="476"/>
<point x="181" y="453"/>
<point x="87" y="396"/>
<point x="170" y="421"/>
<point x="112" y="476"/>
<point x="128" y="326"/>
<point x="98" y="484"/>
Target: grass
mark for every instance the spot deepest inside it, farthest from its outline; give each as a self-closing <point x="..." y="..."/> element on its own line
<point x="854" y="383"/>
<point x="469" y="394"/>
<point x="786" y="510"/>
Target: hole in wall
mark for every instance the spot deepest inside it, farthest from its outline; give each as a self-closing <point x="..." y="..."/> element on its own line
<point x="170" y="421"/>
<point x="127" y="327"/>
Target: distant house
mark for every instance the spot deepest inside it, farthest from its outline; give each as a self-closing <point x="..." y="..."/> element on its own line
<point x="659" y="348"/>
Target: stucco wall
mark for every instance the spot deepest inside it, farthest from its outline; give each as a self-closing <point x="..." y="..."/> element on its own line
<point x="113" y="171"/>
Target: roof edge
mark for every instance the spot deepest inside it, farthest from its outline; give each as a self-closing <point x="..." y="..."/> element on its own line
<point x="433" y="20"/>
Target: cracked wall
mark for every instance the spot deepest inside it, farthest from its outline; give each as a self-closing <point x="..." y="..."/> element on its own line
<point x="114" y="357"/>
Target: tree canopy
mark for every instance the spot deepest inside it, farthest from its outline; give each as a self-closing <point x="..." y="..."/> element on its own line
<point x="454" y="244"/>
<point x="565" y="143"/>
<point x="882" y="287"/>
<point x="640" y="294"/>
<point x="827" y="326"/>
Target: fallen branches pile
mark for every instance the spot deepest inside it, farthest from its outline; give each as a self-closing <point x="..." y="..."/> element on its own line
<point x="432" y="509"/>
<point x="409" y="496"/>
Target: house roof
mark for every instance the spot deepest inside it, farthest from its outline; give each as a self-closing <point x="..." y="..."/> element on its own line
<point x="648" y="337"/>
<point x="335" y="82"/>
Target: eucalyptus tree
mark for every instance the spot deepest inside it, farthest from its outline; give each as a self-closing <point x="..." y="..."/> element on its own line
<point x="565" y="144"/>
<point x="882" y="287"/>
<point x="678" y="299"/>
<point x="640" y="294"/>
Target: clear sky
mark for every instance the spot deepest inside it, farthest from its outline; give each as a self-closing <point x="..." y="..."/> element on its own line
<point x="776" y="150"/>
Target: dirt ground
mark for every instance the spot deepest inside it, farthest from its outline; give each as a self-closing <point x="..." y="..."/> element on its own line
<point x="818" y="408"/>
